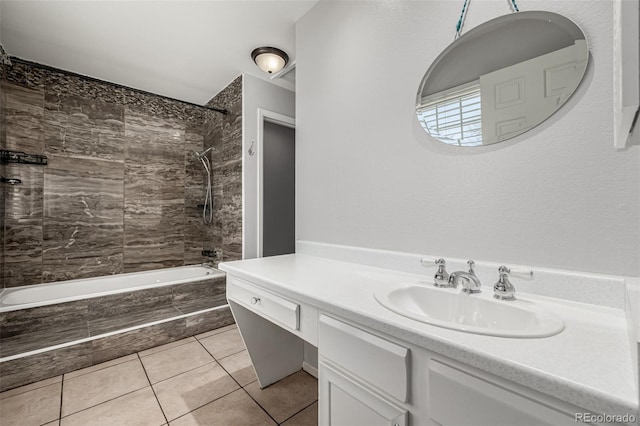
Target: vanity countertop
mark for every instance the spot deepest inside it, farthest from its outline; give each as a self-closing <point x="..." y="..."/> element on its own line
<point x="588" y="364"/>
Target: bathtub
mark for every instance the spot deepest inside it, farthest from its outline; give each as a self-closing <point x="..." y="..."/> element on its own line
<point x="67" y="291"/>
<point x="51" y="329"/>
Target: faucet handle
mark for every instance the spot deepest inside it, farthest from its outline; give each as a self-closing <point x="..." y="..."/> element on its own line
<point x="516" y="272"/>
<point x="441" y="278"/>
<point x="472" y="265"/>
<point x="503" y="289"/>
<point x="429" y="261"/>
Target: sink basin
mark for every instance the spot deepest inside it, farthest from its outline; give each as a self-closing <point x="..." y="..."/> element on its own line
<point x="476" y="313"/>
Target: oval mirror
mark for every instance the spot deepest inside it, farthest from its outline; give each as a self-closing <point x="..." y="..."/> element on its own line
<point x="502" y="78"/>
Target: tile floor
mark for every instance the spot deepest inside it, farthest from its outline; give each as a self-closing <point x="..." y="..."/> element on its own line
<point x="202" y="380"/>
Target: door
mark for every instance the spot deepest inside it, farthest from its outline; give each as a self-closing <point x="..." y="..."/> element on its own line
<point x="278" y="196"/>
<point x="521" y="96"/>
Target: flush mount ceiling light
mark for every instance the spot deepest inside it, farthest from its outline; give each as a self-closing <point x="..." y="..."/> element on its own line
<point x="269" y="59"/>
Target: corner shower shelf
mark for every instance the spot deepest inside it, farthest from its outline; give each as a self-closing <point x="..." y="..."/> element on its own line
<point x="18" y="157"/>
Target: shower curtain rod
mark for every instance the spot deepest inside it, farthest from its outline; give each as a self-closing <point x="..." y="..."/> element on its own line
<point x="15" y="59"/>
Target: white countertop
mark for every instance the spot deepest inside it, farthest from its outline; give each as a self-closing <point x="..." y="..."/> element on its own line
<point x="588" y="364"/>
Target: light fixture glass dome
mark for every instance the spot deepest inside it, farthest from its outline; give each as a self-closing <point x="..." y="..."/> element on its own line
<point x="269" y="59"/>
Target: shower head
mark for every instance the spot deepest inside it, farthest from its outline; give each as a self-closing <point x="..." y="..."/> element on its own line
<point x="201" y="155"/>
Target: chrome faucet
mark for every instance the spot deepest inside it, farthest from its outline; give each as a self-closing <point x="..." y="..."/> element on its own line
<point x="470" y="282"/>
<point x="209" y="264"/>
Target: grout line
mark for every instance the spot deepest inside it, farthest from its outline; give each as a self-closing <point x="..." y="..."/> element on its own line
<point x="100" y="403"/>
<point x="166" y="349"/>
<point x="204" y="405"/>
<point x="230" y="355"/>
<point x="219" y="332"/>
<point x="253" y="381"/>
<point x="221" y="358"/>
<point x="258" y="404"/>
<point x="28" y="384"/>
<point x="238" y="383"/>
<point x="186" y="371"/>
<point x="215" y="334"/>
<point x="271" y="385"/>
<point x="61" y="393"/>
<point x="221" y="366"/>
<point x="243" y="387"/>
<point x="99" y="369"/>
<point x="295" y="414"/>
<point x="152" y="389"/>
<point x="227" y="356"/>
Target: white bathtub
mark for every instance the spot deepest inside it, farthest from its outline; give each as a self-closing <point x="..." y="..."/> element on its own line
<point x="32" y="296"/>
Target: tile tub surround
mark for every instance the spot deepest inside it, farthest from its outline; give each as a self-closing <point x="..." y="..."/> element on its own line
<point x="30" y="329"/>
<point x="200" y="388"/>
<point x="94" y="329"/>
<point x="92" y="351"/>
<point x="121" y="190"/>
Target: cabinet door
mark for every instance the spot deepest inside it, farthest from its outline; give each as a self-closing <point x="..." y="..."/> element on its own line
<point x="344" y="402"/>
<point x="463" y="398"/>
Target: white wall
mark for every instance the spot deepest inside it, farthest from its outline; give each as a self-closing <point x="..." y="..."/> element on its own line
<point x="256" y="93"/>
<point x="367" y="174"/>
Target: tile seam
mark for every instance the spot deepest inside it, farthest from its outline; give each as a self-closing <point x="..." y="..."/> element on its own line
<point x="203" y="405"/>
<point x="95" y="371"/>
<point x="100" y="403"/>
<point x="293" y="415"/>
<point x="61" y="396"/>
<point x="28" y="384"/>
<point x="242" y="387"/>
<point x="167" y="349"/>
<point x="213" y="361"/>
<point x="152" y="389"/>
<point x="261" y="407"/>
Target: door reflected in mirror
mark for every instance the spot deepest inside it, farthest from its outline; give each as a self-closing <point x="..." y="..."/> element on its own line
<point x="502" y="78"/>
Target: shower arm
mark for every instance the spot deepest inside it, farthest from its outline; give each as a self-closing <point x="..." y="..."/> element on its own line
<point x="202" y="154"/>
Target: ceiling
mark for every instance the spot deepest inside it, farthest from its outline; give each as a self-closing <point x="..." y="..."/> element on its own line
<point x="188" y="50"/>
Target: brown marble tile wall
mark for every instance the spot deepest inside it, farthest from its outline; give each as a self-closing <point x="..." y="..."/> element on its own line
<point x="154" y="186"/>
<point x="3" y="144"/>
<point x="224" y="133"/>
<point x="122" y="188"/>
<point x="24" y="131"/>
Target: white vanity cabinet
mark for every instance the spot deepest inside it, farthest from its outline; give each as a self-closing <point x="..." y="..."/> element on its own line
<point x="369" y="378"/>
<point x="363" y="379"/>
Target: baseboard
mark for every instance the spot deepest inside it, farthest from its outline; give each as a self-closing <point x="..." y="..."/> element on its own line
<point x="310" y="369"/>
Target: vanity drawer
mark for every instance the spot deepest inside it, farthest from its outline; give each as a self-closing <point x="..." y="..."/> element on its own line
<point x="375" y="360"/>
<point x="275" y="308"/>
